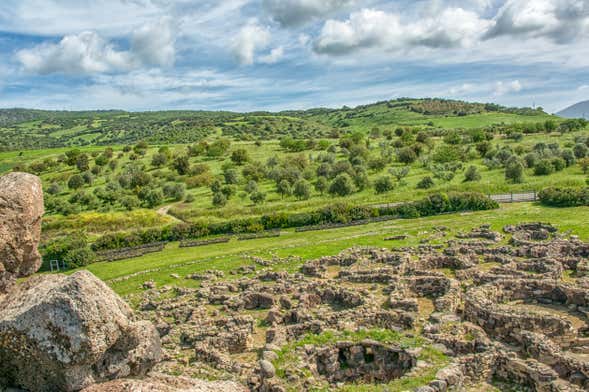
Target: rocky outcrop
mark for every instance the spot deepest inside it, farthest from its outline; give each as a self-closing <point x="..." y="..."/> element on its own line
<point x="21" y="208"/>
<point x="68" y="332"/>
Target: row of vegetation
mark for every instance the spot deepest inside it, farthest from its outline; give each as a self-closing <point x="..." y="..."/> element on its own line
<point x="77" y="251"/>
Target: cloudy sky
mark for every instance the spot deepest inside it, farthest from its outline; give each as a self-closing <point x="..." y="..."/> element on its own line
<point x="287" y="54"/>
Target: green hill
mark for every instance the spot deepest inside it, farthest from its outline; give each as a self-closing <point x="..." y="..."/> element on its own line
<point x="33" y="129"/>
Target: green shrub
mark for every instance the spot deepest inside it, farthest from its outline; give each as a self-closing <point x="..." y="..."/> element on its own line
<point x="425" y="183"/>
<point x="564" y="197"/>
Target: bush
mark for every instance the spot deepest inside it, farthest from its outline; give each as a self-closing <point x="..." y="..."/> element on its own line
<point x="73" y="249"/>
<point x="407" y="155"/>
<point x="342" y="185"/>
<point x="258" y="197"/>
<point x="302" y="190"/>
<point x="175" y="191"/>
<point x="75" y="182"/>
<point x="239" y="156"/>
<point x="383" y="184"/>
<point x="564" y="197"/>
<point x="338" y="213"/>
<point x="543" y="168"/>
<point x="514" y="171"/>
<point x="219" y="199"/>
<point x="425" y="183"/>
<point x="472" y="174"/>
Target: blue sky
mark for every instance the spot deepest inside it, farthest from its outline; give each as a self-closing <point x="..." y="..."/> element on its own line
<point x="290" y="54"/>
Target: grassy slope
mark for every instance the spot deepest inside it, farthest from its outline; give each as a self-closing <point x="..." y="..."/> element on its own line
<point x="226" y="257"/>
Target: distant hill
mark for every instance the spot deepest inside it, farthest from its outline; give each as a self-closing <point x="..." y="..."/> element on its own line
<point x="34" y="129"/>
<point x="578" y="110"/>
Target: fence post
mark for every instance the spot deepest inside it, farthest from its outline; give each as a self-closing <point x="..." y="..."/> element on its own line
<point x="512" y="197"/>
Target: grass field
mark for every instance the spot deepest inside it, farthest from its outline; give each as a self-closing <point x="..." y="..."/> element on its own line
<point x="126" y="276"/>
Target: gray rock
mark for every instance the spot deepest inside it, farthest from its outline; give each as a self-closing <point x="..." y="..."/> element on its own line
<point x="267" y="369"/>
<point x="68" y="332"/>
<point x="21" y="209"/>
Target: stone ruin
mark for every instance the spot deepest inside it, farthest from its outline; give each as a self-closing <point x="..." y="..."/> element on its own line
<point x="68" y="333"/>
<point x="367" y="361"/>
<point x="509" y="306"/>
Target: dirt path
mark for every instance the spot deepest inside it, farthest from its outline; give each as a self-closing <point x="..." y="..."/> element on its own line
<point x="165" y="211"/>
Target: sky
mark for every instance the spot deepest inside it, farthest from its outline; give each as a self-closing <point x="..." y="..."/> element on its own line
<point x="247" y="55"/>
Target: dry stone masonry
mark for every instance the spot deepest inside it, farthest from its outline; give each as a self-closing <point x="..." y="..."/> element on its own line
<point x="509" y="306"/>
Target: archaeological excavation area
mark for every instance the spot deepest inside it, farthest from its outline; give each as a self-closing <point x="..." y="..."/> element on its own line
<point x="454" y="313"/>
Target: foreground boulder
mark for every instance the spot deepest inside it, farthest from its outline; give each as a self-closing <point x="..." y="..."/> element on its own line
<point x="67" y="333"/>
<point x="163" y="383"/>
<point x="21" y="208"/>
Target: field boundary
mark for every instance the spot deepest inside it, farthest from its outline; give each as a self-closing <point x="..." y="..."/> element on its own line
<point x="513" y="197"/>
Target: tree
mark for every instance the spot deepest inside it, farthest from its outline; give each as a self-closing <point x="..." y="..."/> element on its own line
<point x="361" y="178"/>
<point x="425" y="183"/>
<point x="569" y="157"/>
<point x="129" y="202"/>
<point x="139" y="178"/>
<point x="514" y="171"/>
<point x="182" y="165"/>
<point x="251" y="186"/>
<point x="239" y="156"/>
<point x="543" y="168"/>
<point x="258" y="197"/>
<point x="151" y="196"/>
<point x="54" y="188"/>
<point x="231" y="176"/>
<point x="71" y="157"/>
<point x="175" y="191"/>
<point x="83" y="163"/>
<point x="284" y="188"/>
<point x="159" y="160"/>
<point x="383" y="184"/>
<point x="216" y="186"/>
<point x="472" y="174"/>
<point x="580" y="150"/>
<point x="219" y="147"/>
<point x="302" y="190"/>
<point x="219" y="199"/>
<point x="321" y="184"/>
<point x="342" y="185"/>
<point x="400" y="173"/>
<point x="101" y="160"/>
<point x="407" y="155"/>
<point x="73" y="249"/>
<point x="584" y="164"/>
<point x="75" y="182"/>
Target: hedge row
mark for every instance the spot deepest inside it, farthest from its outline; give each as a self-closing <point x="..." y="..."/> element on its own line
<point x="564" y="197"/>
<point x="339" y="213"/>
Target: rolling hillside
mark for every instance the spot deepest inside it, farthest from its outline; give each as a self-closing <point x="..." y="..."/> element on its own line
<point x="33" y="129"/>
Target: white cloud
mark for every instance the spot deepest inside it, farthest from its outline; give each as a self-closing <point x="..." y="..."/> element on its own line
<point x="108" y="18"/>
<point x="503" y="88"/>
<point x="82" y="53"/>
<point x="273" y="57"/>
<point x="558" y="20"/>
<point x="375" y="29"/>
<point x="583" y="87"/>
<point x="250" y="39"/>
<point x="298" y="12"/>
<point x="465" y="88"/>
<point x="154" y="44"/>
